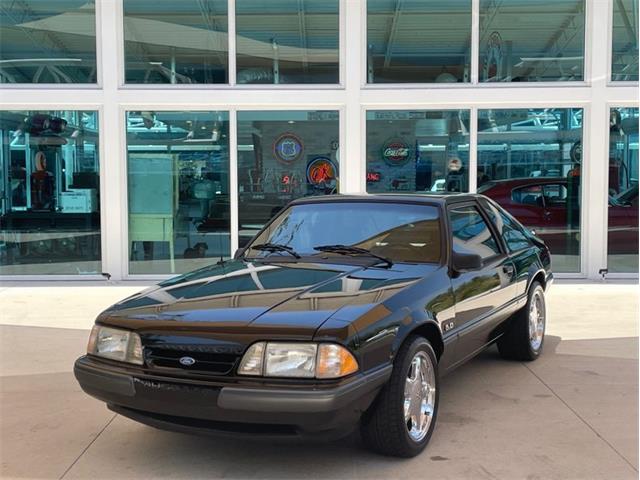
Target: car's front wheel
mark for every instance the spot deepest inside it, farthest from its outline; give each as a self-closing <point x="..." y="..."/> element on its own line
<point x="402" y="419"/>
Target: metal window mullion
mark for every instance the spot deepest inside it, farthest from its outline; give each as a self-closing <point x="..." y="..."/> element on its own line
<point x="113" y="205"/>
<point x="473" y="150"/>
<point x="475" y="40"/>
<point x="351" y="124"/>
<point x="233" y="179"/>
<point x="594" y="211"/>
<point x="231" y="41"/>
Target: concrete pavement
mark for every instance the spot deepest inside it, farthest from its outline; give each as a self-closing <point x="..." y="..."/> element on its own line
<point x="573" y="414"/>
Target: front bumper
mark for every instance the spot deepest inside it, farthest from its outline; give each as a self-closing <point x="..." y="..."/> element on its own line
<point x="200" y="406"/>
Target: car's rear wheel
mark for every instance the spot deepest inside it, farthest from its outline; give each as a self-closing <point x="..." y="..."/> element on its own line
<point x="524" y="336"/>
<point x="401" y="420"/>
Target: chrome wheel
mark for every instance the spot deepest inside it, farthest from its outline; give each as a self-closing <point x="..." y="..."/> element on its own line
<point x="419" y="396"/>
<point x="537" y="313"/>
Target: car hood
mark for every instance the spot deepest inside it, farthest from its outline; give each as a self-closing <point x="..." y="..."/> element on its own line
<point x="287" y="300"/>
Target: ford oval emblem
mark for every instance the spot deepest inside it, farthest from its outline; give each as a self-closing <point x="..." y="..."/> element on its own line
<point x="187" y="361"/>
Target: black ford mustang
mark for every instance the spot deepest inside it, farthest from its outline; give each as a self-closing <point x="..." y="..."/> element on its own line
<point x="343" y="310"/>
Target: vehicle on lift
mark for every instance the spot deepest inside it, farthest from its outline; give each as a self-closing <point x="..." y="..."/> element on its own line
<point x="342" y="311"/>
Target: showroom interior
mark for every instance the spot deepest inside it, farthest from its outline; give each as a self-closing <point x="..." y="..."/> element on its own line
<point x="141" y="139"/>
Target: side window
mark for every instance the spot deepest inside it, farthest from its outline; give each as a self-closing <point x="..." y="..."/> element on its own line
<point x="510" y="231"/>
<point x="531" y="195"/>
<point x="555" y="195"/>
<point x="470" y="232"/>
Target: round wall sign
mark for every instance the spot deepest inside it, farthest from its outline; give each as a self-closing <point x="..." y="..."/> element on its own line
<point x="576" y="152"/>
<point x="395" y="152"/>
<point x="321" y="170"/>
<point x="455" y="164"/>
<point x="288" y="148"/>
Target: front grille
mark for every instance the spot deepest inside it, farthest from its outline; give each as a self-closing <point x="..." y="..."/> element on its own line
<point x="213" y="363"/>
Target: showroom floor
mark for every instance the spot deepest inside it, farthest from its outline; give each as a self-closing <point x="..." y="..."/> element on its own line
<point x="573" y="414"/>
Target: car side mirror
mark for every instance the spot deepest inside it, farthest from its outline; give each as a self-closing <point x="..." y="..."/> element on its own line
<point x="466" y="261"/>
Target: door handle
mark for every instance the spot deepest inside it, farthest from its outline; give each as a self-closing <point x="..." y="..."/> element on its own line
<point x="508" y="269"/>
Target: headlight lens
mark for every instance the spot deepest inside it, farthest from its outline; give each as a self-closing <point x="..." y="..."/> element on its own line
<point x="299" y="360"/>
<point x="290" y="360"/>
<point x="115" y="344"/>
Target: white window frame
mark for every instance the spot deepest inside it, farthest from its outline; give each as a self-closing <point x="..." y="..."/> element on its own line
<point x="610" y="81"/>
<point x="233" y="165"/>
<point x="605" y="173"/>
<point x="103" y="186"/>
<point x="79" y="86"/>
<point x="473" y="153"/>
<point x="475" y="60"/>
<point x="231" y="60"/>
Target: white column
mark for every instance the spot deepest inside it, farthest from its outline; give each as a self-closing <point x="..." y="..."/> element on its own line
<point x="352" y="161"/>
<point x="113" y="184"/>
<point x="595" y="164"/>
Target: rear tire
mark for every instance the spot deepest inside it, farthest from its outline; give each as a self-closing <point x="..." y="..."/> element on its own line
<point x="524" y="337"/>
<point x="401" y="420"/>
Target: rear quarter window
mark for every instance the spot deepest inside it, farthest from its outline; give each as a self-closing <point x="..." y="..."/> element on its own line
<point x="511" y="231"/>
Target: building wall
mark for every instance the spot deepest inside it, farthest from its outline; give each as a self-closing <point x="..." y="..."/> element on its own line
<point x="571" y="96"/>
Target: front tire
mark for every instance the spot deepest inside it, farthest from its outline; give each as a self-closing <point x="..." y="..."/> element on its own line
<point x="524" y="336"/>
<point x="401" y="420"/>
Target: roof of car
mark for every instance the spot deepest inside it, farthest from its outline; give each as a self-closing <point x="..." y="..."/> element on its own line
<point x="427" y="198"/>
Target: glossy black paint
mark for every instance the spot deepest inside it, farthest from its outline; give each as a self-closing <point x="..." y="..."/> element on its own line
<point x="221" y="309"/>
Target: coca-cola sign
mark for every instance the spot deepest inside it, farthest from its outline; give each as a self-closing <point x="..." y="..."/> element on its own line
<point x="395" y="152"/>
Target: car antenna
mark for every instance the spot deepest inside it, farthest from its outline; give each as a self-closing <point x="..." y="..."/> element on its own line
<point x="221" y="261"/>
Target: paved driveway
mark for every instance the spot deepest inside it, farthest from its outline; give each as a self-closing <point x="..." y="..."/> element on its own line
<point x="571" y="414"/>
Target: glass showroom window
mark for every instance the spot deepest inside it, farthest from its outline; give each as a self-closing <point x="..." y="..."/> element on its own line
<point x="417" y="151"/>
<point x="178" y="184"/>
<point x="413" y="41"/>
<point x="623" y="191"/>
<point x="540" y="41"/>
<point x="48" y="42"/>
<point x="175" y="42"/>
<point x="624" y="58"/>
<point x="288" y="41"/>
<point x="50" y="193"/>
<point x="529" y="161"/>
<point x="283" y="155"/>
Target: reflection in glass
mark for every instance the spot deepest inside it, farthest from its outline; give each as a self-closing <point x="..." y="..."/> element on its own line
<point x="413" y="41"/>
<point x="522" y="41"/>
<point x="529" y="161"/>
<point x="623" y="191"/>
<point x="175" y="42"/>
<point x="283" y="155"/>
<point x="288" y="41"/>
<point x="417" y="151"/>
<point x="402" y="233"/>
<point x="471" y="234"/>
<point x="624" y="59"/>
<point x="49" y="193"/>
<point x="178" y="190"/>
<point x="47" y="41"/>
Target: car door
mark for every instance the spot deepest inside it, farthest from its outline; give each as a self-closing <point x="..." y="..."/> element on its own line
<point x="622" y="228"/>
<point x="522" y="252"/>
<point x="480" y="295"/>
<point x="561" y="219"/>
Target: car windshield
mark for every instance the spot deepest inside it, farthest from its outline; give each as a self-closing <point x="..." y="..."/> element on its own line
<point x="399" y="232"/>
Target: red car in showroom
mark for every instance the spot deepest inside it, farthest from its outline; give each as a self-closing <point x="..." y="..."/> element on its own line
<point x="551" y="206"/>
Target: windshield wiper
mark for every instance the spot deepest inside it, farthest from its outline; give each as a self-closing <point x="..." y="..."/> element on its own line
<point x="350" y="250"/>
<point x="275" y="247"/>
